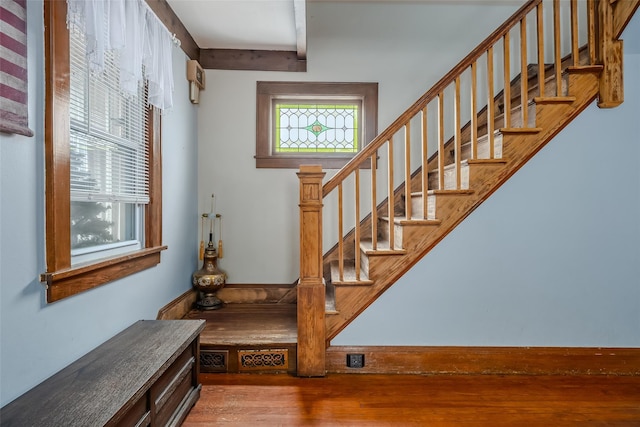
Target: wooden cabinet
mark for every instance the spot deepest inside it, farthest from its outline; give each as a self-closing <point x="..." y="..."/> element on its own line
<point x="147" y="375"/>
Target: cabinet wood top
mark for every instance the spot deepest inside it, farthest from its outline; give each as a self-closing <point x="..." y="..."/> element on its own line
<point x="91" y="390"/>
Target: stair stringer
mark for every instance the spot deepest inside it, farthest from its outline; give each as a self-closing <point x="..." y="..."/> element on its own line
<point x="452" y="209"/>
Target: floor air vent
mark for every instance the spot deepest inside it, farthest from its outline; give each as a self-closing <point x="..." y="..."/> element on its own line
<point x="263" y="360"/>
<point x="214" y="361"/>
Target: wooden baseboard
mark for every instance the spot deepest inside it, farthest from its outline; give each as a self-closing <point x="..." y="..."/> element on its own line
<point x="179" y="307"/>
<point x="487" y="360"/>
<point x="230" y="294"/>
<point x="248" y="293"/>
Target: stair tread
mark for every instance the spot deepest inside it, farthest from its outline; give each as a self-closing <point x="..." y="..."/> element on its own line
<point x="402" y="220"/>
<point x="585" y="68"/>
<point x="520" y="130"/>
<point x="444" y="192"/>
<point x="383" y="248"/>
<point x="467" y="162"/>
<point x="553" y="99"/>
<point x="486" y="161"/>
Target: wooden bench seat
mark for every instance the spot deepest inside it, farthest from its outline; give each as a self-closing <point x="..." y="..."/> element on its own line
<point x="147" y="375"/>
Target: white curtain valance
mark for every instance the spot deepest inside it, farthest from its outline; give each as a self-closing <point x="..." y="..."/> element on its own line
<point x="139" y="37"/>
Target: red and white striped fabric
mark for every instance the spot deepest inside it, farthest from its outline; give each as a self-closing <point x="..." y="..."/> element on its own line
<point x="13" y="67"/>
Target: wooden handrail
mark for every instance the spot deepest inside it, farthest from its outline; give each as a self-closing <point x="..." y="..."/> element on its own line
<point x="443" y="83"/>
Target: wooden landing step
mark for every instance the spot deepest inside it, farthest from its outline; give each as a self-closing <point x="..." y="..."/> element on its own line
<point x="243" y="338"/>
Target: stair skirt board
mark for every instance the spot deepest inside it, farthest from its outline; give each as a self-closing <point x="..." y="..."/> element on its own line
<point x="486" y="360"/>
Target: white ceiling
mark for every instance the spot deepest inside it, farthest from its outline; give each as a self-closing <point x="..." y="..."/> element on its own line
<point x="271" y="24"/>
<point x="239" y="24"/>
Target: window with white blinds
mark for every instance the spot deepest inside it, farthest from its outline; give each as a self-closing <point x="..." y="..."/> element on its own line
<point x="108" y="154"/>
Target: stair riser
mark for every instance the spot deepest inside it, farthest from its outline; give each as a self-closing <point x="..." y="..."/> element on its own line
<point x="534" y="91"/>
<point x="374" y="264"/>
<point x="383" y="227"/>
<point x="484" y="146"/>
<point x="483" y="152"/>
<point x="549" y="86"/>
<point x="450" y="182"/>
<point x="515" y="122"/>
<point x="418" y="208"/>
<point x="365" y="264"/>
<point x="474" y="176"/>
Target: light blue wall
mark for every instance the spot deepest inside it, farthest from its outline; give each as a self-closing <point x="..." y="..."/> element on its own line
<point x="36" y="339"/>
<point x="551" y="259"/>
<point x="571" y="277"/>
<point x="397" y="44"/>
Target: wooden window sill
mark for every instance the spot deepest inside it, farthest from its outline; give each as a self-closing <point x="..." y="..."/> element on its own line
<point x="65" y="283"/>
<point x="294" y="162"/>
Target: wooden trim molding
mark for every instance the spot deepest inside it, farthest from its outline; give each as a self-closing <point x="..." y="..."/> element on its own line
<point x="65" y="283"/>
<point x="253" y="60"/>
<point x="232" y="293"/>
<point x="56" y="127"/>
<point x="165" y="13"/>
<point x="365" y="93"/>
<point x="179" y="307"/>
<point x="259" y="293"/>
<point x="487" y="360"/>
<point x="62" y="279"/>
<point x="238" y="59"/>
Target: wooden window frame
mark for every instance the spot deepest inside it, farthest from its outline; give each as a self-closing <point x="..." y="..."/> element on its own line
<point x="61" y="279"/>
<point x="267" y="91"/>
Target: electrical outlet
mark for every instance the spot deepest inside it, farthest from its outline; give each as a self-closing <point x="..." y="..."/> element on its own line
<point x="355" y="360"/>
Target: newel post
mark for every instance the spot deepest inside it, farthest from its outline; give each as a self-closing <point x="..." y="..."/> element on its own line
<point x="311" y="289"/>
<point x="610" y="56"/>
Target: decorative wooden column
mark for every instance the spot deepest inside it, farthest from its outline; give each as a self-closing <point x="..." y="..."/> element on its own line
<point x="610" y="55"/>
<point x="311" y="288"/>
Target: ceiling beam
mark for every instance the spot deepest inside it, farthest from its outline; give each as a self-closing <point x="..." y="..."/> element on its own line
<point x="238" y="59"/>
<point x="255" y="60"/>
<point x="175" y="26"/>
<point x="300" y="16"/>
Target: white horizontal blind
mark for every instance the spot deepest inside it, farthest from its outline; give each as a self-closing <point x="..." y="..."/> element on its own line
<point x="109" y="156"/>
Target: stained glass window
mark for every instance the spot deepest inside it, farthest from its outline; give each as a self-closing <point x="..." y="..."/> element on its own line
<point x="323" y="123"/>
<point x="316" y="128"/>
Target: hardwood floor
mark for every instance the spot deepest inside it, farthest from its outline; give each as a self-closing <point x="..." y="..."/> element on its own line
<point x="405" y="400"/>
<point x="248" y="324"/>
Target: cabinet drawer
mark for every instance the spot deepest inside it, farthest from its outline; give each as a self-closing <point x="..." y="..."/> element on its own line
<point x="174" y="402"/>
<point x="172" y="387"/>
<point x="138" y="416"/>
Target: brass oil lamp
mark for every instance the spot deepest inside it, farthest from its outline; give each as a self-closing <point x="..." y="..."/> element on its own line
<point x="209" y="280"/>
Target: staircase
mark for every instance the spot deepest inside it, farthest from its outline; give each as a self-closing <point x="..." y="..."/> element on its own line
<point x="421" y="177"/>
<point x="444" y="156"/>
